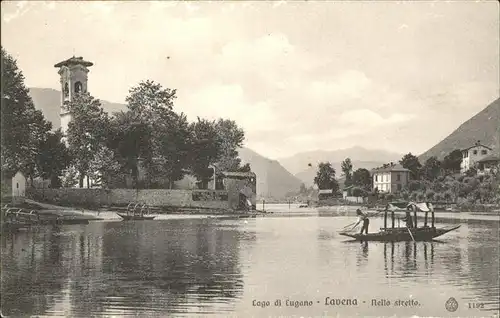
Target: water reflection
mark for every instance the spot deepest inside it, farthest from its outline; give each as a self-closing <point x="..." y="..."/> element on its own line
<point x="416" y="256"/>
<point x="121" y="268"/>
<point x="200" y="266"/>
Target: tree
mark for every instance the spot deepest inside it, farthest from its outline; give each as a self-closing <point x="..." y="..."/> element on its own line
<point x="130" y="140"/>
<point x="325" y="177"/>
<point x="346" y="167"/>
<point x="104" y="166"/>
<point x="147" y="98"/>
<point x="53" y="158"/>
<point x="411" y="163"/>
<point x="174" y="141"/>
<point x="162" y="134"/>
<point x="205" y="150"/>
<point x="448" y="196"/>
<point x="415" y="185"/>
<point x="87" y="131"/>
<point x="452" y="161"/>
<point x="231" y="138"/>
<point x="431" y="169"/>
<point x="359" y="192"/>
<point x="151" y="110"/>
<point x="362" y="178"/>
<point x="23" y="127"/>
<point x="69" y="177"/>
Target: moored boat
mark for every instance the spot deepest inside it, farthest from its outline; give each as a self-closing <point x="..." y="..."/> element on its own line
<point x="137" y="217"/>
<point x="136" y="212"/>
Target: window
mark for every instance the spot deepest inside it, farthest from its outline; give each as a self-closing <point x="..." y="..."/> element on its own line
<point x="399" y="186"/>
<point x="376" y="179"/>
<point x="474" y="152"/>
<point x="399" y="177"/>
<point x="483" y="152"/>
<point x="17" y="185"/>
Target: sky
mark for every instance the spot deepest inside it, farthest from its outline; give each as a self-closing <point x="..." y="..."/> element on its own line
<point x="296" y="76"/>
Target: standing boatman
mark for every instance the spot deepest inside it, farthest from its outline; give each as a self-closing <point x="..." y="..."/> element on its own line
<point x="362" y="218"/>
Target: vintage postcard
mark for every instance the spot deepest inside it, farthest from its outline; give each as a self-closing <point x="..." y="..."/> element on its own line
<point x="250" y="159"/>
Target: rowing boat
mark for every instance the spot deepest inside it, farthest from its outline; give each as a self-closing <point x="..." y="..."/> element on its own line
<point x="402" y="234"/>
<point x="409" y="233"/>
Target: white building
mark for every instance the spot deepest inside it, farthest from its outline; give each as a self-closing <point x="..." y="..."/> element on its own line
<point x="472" y="154"/>
<point x="19" y="185"/>
<point x="390" y="179"/>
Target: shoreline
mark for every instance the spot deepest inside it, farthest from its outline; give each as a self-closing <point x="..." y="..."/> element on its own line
<point x="273" y="210"/>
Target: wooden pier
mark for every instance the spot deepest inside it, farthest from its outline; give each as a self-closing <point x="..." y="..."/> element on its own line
<point x="14" y="218"/>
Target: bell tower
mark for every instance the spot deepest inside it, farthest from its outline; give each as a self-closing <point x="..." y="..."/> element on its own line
<point x="73" y="74"/>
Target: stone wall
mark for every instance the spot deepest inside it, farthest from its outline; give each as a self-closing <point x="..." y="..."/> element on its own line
<point x="355" y="199"/>
<point x="210" y="199"/>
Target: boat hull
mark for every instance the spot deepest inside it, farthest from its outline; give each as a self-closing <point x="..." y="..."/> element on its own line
<point x="402" y="234"/>
<point x="126" y="217"/>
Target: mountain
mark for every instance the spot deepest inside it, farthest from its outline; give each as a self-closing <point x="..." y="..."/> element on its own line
<point x="48" y="100"/>
<point x="307" y="175"/>
<point x="483" y="127"/>
<point x="273" y="181"/>
<point x="299" y="162"/>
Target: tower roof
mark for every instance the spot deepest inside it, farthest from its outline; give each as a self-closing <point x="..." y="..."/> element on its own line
<point x="74" y="61"/>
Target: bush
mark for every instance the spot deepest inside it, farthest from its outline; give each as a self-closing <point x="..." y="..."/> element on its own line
<point x="413" y="196"/>
<point x="471" y="172"/>
<point x="429" y="195"/>
<point x="415" y="185"/>
<point x="448" y="196"/>
<point x="358" y="192"/>
<point x="439" y="197"/>
<point x="420" y="196"/>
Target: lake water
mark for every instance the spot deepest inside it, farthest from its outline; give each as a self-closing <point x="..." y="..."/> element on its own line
<point x="198" y="267"/>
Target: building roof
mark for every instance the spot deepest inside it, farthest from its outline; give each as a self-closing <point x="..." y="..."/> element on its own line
<point x="74" y="61"/>
<point x="476" y="145"/>
<point x="238" y="174"/>
<point x="396" y="168"/>
<point x="490" y="158"/>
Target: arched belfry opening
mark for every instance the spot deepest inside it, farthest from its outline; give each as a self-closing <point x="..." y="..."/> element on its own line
<point x="78" y="87"/>
<point x="66" y="90"/>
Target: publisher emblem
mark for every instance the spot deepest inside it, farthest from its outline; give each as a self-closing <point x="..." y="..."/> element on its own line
<point x="451" y="305"/>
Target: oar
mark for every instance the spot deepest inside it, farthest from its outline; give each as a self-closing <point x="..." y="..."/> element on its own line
<point x="349" y="225"/>
<point x="344" y="229"/>
<point x="411" y="234"/>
